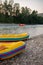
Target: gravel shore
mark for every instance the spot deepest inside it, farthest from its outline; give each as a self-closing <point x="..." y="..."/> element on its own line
<point x="33" y="54"/>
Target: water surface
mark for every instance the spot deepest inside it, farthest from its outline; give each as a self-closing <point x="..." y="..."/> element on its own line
<point x="32" y="30"/>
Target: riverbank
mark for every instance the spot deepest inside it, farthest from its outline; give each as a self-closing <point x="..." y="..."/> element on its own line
<point x="33" y="54"/>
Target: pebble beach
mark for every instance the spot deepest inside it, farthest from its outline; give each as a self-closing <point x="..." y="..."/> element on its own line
<point x="33" y="54"/>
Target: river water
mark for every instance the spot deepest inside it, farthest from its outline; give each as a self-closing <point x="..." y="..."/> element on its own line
<point x="32" y="30"/>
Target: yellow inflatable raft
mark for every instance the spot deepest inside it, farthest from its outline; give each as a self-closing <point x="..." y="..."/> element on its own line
<point x="13" y="37"/>
<point x="10" y="49"/>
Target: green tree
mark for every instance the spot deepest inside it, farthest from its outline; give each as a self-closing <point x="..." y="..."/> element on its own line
<point x="17" y="9"/>
<point x="5" y="6"/>
<point x="23" y="10"/>
<point x="27" y="11"/>
<point x="34" y="12"/>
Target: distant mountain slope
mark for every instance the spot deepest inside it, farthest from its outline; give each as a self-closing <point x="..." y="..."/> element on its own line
<point x="40" y="14"/>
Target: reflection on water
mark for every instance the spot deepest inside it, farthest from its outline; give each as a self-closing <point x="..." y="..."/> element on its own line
<point x="32" y="30"/>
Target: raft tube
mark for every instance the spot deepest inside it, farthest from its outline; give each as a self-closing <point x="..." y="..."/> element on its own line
<point x="10" y="49"/>
<point x="13" y="37"/>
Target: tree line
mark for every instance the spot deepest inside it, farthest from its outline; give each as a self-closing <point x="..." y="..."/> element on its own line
<point x="12" y="13"/>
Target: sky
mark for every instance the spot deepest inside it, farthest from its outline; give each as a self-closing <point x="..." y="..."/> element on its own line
<point x="32" y="4"/>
